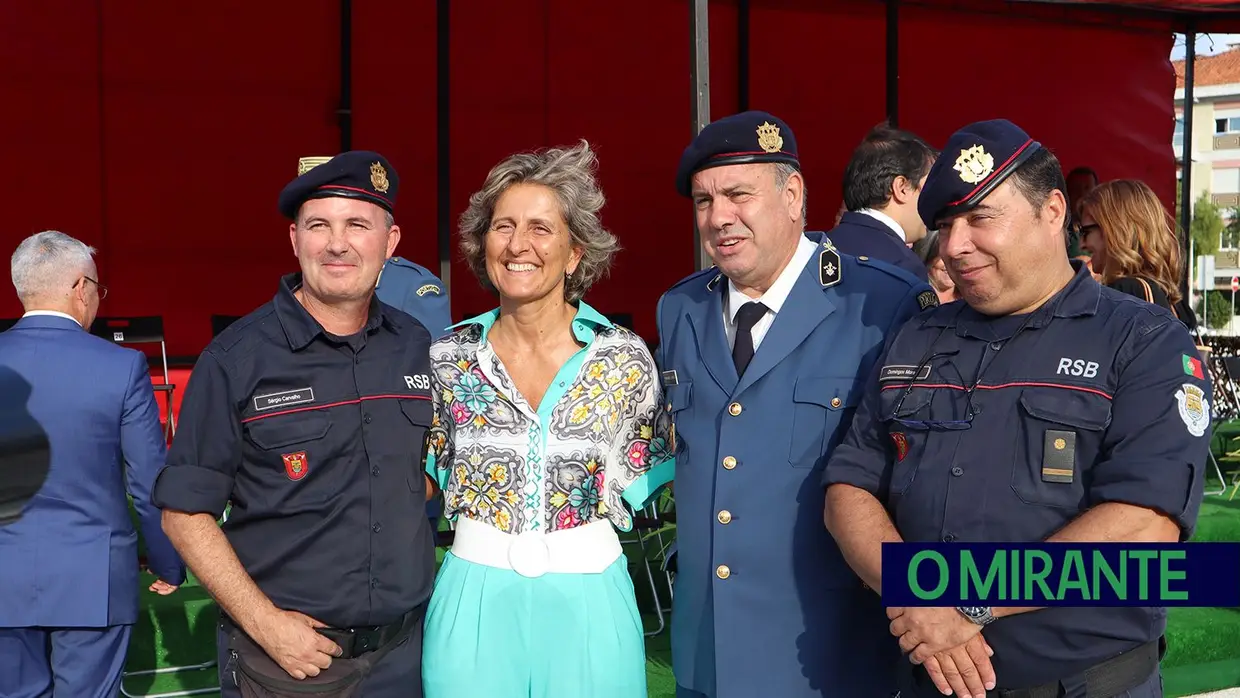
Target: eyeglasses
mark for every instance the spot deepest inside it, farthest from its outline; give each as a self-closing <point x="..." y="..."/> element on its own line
<point x="967" y="421"/>
<point x="951" y="424"/>
<point x="103" y="290"/>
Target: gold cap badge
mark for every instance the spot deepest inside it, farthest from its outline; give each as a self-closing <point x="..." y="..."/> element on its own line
<point x="769" y="138"/>
<point x="378" y="178"/>
<point x="304" y="165"/>
<point x="974" y="164"/>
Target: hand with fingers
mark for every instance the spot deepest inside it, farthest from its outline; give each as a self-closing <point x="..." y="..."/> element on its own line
<point x="162" y="588"/>
<point x="950" y="646"/>
<point x="290" y="639"/>
<point x="964" y="670"/>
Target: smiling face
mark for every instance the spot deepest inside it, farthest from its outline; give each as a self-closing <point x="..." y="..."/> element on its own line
<point x="529" y="248"/>
<point x="1001" y="254"/>
<point x="749" y="224"/>
<point x="342" y="245"/>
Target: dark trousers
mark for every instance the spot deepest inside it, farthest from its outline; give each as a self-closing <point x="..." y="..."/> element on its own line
<point x="397" y="675"/>
<point x="1073" y="687"/>
<point x="62" y="662"/>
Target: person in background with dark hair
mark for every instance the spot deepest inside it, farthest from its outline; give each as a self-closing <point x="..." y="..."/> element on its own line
<point x="1051" y="409"/>
<point x="881" y="185"/>
<point x="1080" y="181"/>
<point x="1131" y="240"/>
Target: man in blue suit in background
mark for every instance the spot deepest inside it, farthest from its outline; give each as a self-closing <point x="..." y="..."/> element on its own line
<point x="882" y="184"/>
<point x="764" y="358"/>
<point x="69" y="566"/>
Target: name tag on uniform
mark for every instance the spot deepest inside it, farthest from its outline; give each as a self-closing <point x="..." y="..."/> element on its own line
<point x="903" y="373"/>
<point x="284" y="398"/>
<point x="669" y="378"/>
<point x="1059" y="456"/>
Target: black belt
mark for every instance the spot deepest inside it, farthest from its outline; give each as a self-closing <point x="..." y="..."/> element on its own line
<point x="1104" y="680"/>
<point x="360" y="640"/>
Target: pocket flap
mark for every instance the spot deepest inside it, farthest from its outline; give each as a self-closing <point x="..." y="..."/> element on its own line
<point x="678" y="396"/>
<point x="1074" y="408"/>
<point x="831" y="393"/>
<point x="277" y="432"/>
<point x="418" y="411"/>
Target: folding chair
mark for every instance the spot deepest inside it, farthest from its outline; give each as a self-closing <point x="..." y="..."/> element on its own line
<point x="652" y="526"/>
<point x="210" y="664"/>
<point x="142" y="330"/>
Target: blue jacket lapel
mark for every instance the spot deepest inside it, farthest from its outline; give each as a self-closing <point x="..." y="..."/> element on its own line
<point x="711" y="338"/>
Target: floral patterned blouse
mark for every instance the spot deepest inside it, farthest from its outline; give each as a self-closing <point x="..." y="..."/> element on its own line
<point x="596" y="445"/>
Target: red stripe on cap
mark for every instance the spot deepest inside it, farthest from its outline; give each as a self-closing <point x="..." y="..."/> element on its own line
<point x="360" y="191"/>
<point x="996" y="171"/>
<point x="750" y="152"/>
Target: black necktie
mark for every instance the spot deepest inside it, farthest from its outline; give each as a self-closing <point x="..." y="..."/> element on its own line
<point x="742" y="350"/>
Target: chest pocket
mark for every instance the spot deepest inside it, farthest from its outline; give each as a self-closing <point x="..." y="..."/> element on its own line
<point x="293" y="451"/>
<point x="676" y="401"/>
<point x="419" y="414"/>
<point x="906" y="439"/>
<point x="822" y="409"/>
<point x="1061" y="432"/>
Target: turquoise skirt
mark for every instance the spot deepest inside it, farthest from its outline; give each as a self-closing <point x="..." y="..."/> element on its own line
<point x="493" y="633"/>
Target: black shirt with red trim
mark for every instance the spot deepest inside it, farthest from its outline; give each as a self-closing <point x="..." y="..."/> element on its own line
<point x="317" y="442"/>
<point x="1005" y="429"/>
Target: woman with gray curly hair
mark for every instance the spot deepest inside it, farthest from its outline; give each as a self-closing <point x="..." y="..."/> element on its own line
<point x="546" y="437"/>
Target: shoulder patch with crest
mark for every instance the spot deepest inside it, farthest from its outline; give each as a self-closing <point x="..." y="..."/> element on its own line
<point x="829" y="271"/>
<point x="928" y="299"/>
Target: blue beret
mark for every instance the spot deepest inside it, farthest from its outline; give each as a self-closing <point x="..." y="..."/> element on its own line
<point x="357" y="174"/>
<point x="975" y="161"/>
<point x="740" y="139"/>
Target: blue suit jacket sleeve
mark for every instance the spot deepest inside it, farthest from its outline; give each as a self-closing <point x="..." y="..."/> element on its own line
<point x="145" y="453"/>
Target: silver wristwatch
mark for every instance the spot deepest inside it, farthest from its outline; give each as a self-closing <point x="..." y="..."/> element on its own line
<point x="976" y="614"/>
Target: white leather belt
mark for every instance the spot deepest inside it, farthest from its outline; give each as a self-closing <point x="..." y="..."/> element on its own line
<point x="587" y="549"/>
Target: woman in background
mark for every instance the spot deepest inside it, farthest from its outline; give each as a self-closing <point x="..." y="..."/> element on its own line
<point x="547" y="435"/>
<point x="1132" y="244"/>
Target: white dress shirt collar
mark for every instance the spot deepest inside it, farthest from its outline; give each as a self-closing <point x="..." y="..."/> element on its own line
<point x="775" y="296"/>
<point x="53" y="313"/>
<point x="886" y="220"/>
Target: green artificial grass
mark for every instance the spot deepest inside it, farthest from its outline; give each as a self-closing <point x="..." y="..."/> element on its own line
<point x="1203" y="652"/>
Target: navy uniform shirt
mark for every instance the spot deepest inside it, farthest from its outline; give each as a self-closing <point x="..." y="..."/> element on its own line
<point x="318" y="443"/>
<point x="1100" y="397"/>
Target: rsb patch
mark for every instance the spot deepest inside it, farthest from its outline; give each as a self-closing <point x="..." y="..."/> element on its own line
<point x="295" y="465"/>
<point x="901" y="443"/>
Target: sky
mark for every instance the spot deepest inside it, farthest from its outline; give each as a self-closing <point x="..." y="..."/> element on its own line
<point x="1206" y="44"/>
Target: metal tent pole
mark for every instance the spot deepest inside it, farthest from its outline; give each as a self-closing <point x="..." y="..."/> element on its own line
<point x="699" y="32"/>
<point x="1186" y="158"/>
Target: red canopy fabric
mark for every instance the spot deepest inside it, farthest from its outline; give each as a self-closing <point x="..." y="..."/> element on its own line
<point x="161" y="133"/>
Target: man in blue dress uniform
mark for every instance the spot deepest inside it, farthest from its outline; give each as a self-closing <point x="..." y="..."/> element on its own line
<point x="764" y="357"/>
<point x="1043" y="407"/>
<point x="414" y="289"/>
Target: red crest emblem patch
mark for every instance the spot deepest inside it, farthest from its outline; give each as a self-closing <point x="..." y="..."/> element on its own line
<point x="901" y="443"/>
<point x="295" y="465"/>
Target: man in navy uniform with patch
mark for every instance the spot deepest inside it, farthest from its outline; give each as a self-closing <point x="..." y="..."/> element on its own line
<point x="310" y="415"/>
<point x="763" y="357"/>
<point x="1045" y="407"/>
<point x="411" y="287"/>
